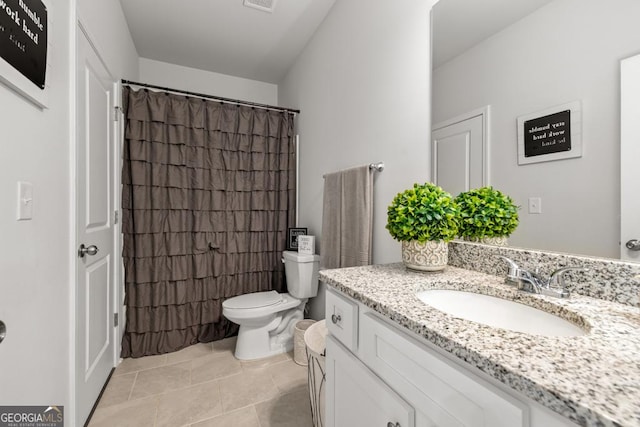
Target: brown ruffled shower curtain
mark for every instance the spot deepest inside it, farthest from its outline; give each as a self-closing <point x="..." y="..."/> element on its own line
<point x="208" y="191"/>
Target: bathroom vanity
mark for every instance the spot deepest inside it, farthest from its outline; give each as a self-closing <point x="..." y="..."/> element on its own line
<point x="394" y="360"/>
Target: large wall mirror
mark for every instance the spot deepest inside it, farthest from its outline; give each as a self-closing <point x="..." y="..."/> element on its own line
<point x="528" y="56"/>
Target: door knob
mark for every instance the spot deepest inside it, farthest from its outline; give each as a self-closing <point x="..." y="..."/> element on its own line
<point x="3" y="331"/>
<point x="87" y="250"/>
<point x="633" y="244"/>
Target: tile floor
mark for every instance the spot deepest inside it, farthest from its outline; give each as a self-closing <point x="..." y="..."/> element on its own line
<point x="205" y="386"/>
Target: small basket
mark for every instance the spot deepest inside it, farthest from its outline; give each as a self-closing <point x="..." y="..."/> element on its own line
<point x="299" y="347"/>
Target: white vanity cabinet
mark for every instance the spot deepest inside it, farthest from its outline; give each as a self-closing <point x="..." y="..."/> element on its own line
<point x="379" y="374"/>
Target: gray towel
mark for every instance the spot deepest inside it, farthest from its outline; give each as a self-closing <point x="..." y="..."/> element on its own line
<point x="347" y="218"/>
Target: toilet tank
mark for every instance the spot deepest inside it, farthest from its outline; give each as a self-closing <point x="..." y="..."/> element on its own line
<point x="301" y="271"/>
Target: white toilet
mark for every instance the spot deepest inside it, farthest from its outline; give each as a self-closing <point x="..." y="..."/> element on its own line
<point x="267" y="319"/>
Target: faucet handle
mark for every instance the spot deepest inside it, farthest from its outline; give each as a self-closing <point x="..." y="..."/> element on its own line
<point x="512" y="265"/>
<point x="513" y="275"/>
<point x="509" y="261"/>
<point x="556" y="280"/>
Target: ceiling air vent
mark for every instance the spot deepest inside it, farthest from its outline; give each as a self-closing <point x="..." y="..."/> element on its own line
<point x="263" y="5"/>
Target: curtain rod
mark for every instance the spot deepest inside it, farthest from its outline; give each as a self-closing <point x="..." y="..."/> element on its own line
<point x="217" y="98"/>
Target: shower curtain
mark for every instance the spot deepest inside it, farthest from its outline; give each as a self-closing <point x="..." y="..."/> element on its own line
<point x="208" y="192"/>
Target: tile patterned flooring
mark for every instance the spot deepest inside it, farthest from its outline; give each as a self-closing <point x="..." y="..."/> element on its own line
<point x="206" y="386"/>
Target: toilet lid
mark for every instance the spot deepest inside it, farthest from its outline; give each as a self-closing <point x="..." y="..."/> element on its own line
<point x="253" y="300"/>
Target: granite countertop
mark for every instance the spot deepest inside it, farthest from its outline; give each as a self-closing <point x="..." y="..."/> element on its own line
<point x="594" y="380"/>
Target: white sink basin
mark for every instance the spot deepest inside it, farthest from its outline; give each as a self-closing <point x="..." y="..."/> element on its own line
<point x="499" y="313"/>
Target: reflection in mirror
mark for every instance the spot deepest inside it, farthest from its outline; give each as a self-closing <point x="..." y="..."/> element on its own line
<point x="520" y="61"/>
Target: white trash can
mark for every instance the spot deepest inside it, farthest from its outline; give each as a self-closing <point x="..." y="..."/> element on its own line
<point x="316" y="338"/>
<point x="299" y="347"/>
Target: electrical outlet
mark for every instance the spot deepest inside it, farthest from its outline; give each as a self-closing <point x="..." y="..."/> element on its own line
<point x="535" y="205"/>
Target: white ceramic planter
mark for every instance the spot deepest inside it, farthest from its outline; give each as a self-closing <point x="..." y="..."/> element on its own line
<point x="495" y="241"/>
<point x="427" y="256"/>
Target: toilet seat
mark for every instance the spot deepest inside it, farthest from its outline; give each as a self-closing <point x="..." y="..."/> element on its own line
<point x="257" y="305"/>
<point x="253" y="300"/>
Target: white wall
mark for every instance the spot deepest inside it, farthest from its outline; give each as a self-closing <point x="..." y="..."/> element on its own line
<point x="362" y="85"/>
<point x="566" y="51"/>
<point x="200" y="81"/>
<point x="36" y="257"/>
<point x="34" y="260"/>
<point x="107" y="27"/>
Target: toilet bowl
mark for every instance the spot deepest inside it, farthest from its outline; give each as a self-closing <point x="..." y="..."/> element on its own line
<point x="267" y="319"/>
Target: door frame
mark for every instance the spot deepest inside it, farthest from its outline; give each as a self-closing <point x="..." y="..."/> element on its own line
<point x="118" y="268"/>
<point x="484" y="113"/>
<point x="629" y="152"/>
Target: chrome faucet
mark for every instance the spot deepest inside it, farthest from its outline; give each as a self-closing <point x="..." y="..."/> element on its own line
<point x="534" y="283"/>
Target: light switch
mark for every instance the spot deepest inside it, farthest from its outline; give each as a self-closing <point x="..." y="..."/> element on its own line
<point x="25" y="200"/>
<point x="535" y="205"/>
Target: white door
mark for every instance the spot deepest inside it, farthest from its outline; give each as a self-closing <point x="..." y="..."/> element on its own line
<point x="460" y="152"/>
<point x="629" y="156"/>
<point x="94" y="205"/>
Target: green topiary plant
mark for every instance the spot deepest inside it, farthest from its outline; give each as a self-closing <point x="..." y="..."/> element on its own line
<point x="424" y="212"/>
<point x="486" y="212"/>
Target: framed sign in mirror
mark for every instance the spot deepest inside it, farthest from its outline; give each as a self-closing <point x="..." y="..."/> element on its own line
<point x="551" y="134"/>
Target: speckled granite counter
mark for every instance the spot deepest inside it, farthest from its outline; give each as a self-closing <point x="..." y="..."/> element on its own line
<point x="594" y="379"/>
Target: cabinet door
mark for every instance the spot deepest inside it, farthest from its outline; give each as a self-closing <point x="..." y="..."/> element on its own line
<point x="356" y="397"/>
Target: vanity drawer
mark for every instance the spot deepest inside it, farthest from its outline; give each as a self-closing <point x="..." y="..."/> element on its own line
<point x="443" y="392"/>
<point x="342" y="319"/>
